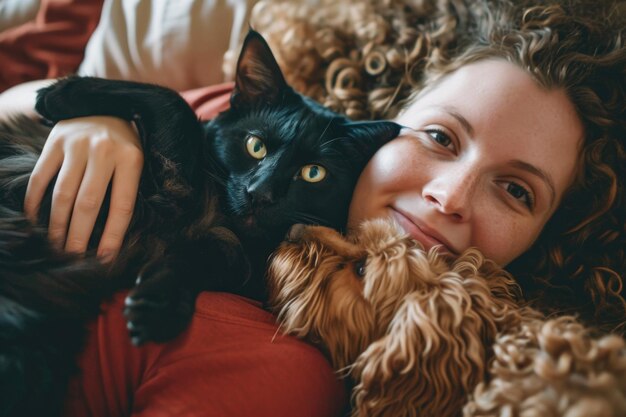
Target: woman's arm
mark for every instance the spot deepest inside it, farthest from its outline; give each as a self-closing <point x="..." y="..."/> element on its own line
<point x="87" y="154"/>
<point x="20" y="99"/>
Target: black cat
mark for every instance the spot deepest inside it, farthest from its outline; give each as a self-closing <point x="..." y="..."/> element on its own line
<point x="215" y="199"/>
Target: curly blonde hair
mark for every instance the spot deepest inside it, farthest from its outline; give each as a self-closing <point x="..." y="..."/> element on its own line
<point x="362" y="58"/>
<point x="368" y="58"/>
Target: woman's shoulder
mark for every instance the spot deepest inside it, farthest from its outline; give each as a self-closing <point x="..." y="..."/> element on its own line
<point x="231" y="361"/>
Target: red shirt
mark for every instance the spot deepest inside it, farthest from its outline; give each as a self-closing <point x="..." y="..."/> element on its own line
<point x="231" y="361"/>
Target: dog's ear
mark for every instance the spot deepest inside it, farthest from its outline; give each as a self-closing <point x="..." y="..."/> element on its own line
<point x="430" y="358"/>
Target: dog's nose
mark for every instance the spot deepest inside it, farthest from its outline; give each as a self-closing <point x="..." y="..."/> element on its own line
<point x="295" y="232"/>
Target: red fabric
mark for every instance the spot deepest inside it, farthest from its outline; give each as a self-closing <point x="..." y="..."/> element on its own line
<point x="50" y="46"/>
<point x="209" y="101"/>
<point x="229" y="362"/>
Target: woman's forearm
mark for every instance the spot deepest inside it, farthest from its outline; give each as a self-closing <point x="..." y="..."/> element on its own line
<point x="20" y="99"/>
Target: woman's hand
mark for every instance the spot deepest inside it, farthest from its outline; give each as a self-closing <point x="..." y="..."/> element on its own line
<point x="87" y="153"/>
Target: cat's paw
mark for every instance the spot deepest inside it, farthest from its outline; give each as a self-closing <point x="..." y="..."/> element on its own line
<point x="158" y="308"/>
<point x="54" y="102"/>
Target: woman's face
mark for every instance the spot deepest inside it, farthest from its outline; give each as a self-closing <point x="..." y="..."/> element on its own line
<point x="485" y="162"/>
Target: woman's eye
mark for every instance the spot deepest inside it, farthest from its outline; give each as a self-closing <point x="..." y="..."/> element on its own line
<point x="255" y="147"/>
<point x="313" y="173"/>
<point x="520" y="193"/>
<point x="440" y="137"/>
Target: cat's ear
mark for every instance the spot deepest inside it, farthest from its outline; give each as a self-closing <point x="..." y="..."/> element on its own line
<point x="258" y="78"/>
<point x="368" y="137"/>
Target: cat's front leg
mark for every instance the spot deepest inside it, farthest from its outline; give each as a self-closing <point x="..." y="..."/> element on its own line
<point x="76" y="96"/>
<point x="168" y="126"/>
<point x="161" y="304"/>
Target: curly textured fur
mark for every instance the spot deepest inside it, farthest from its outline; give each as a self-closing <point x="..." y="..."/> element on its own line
<point x="413" y="331"/>
<point x="418" y="332"/>
<point x="553" y="368"/>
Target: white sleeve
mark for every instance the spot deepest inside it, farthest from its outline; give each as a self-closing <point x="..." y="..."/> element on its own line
<point x="15" y="12"/>
<point x="176" y="43"/>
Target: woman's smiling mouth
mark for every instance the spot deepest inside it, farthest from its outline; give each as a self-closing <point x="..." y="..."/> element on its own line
<point x="420" y="232"/>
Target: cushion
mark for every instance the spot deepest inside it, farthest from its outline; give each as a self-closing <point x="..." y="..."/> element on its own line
<point x="50" y="45"/>
<point x="179" y="44"/>
<point x="15" y="12"/>
<point x="209" y="101"/>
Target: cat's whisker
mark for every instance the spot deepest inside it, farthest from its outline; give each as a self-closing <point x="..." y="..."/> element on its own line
<point x="214" y="177"/>
<point x="328" y="142"/>
<point x="327" y="126"/>
<point x="238" y="204"/>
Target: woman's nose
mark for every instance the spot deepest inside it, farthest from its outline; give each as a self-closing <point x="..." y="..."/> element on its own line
<point x="451" y="195"/>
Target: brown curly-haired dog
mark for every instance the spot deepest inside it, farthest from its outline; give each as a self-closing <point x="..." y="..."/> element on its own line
<point x="411" y="327"/>
<point x="415" y="330"/>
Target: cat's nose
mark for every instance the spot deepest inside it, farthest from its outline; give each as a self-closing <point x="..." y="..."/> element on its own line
<point x="260" y="195"/>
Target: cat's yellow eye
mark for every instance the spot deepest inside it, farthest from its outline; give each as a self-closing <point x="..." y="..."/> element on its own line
<point x="313" y="173"/>
<point x="255" y="147"/>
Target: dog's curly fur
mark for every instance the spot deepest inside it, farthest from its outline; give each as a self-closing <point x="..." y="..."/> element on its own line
<point x="425" y="334"/>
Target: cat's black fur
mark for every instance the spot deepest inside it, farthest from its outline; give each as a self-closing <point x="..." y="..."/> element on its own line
<point x="207" y="216"/>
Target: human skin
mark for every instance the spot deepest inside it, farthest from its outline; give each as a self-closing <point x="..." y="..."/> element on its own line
<point x="88" y="154"/>
<point x="485" y="163"/>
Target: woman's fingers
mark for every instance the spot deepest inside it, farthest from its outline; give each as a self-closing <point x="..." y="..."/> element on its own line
<point x="123" y="197"/>
<point x="89" y="199"/>
<point x="86" y="153"/>
<point x="46" y="168"/>
<point x="64" y="197"/>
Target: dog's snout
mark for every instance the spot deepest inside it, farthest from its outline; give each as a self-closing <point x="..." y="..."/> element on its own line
<point x="295" y="232"/>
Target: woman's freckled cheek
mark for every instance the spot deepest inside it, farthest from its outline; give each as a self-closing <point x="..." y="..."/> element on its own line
<point x="387" y="160"/>
<point x="396" y="162"/>
<point x="396" y="169"/>
<point x="496" y="241"/>
<point x="375" y="186"/>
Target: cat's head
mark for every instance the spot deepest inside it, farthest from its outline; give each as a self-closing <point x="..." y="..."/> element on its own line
<point x="286" y="158"/>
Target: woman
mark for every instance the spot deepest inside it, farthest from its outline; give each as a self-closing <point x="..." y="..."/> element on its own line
<point x="577" y="262"/>
<point x="516" y="147"/>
